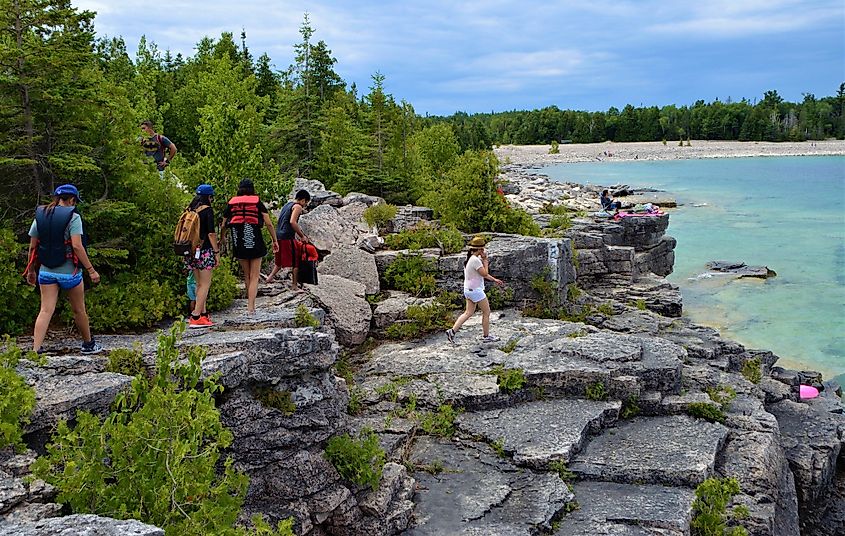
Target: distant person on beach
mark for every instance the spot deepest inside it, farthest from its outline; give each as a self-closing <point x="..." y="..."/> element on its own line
<point x="157" y="147"/>
<point x="57" y="246"/>
<point x="287" y="230"/>
<point x="245" y="214"/>
<point x="608" y="204"/>
<point x="475" y="272"/>
<point x="205" y="258"/>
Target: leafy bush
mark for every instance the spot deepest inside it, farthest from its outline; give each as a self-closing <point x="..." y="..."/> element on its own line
<point x="304" y="319"/>
<point x="126" y="361"/>
<point x="710" y="506"/>
<point x="156" y="457"/>
<point x="499" y="297"/>
<point x="554" y="148"/>
<point x="413" y="274"/>
<point x="704" y="410"/>
<point x="423" y="319"/>
<point x="557" y="210"/>
<point x="752" y="370"/>
<point x="128" y="302"/>
<point x="426" y="235"/>
<point x="560" y="222"/>
<point x="596" y="391"/>
<point x="631" y="407"/>
<point x="379" y="215"/>
<point x="358" y="460"/>
<point x="224" y="285"/>
<point x="510" y="346"/>
<point x="272" y="398"/>
<point x="440" y="423"/>
<point x="509" y="380"/>
<point x="18" y="397"/>
<point x="548" y="304"/>
<point x="356" y="401"/>
<point x="722" y="395"/>
<point x="498" y="447"/>
<point x="20" y="300"/>
<point x="559" y="467"/>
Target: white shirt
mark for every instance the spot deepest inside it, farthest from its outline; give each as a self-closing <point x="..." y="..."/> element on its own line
<point x="472" y="279"/>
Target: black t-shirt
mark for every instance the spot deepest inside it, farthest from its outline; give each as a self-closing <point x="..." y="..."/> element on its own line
<point x="206" y="226"/>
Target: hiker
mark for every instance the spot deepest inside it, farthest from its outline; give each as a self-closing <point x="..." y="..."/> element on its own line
<point x="57" y="246"/>
<point x="475" y="272"/>
<point x="155" y="145"/>
<point x="245" y="214"/>
<point x="286" y="232"/>
<point x="206" y="257"/>
<point x="608" y="204"/>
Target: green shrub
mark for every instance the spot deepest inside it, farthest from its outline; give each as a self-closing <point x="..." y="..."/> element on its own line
<point x="572" y="292"/>
<point x="554" y="148"/>
<point x="605" y="309"/>
<point x="358" y="460"/>
<point x="498" y="447"/>
<point x="722" y="395"/>
<point x="509" y="380"/>
<point x="128" y="302"/>
<point x="559" y="467"/>
<point x="273" y="398"/>
<point x="426" y="235"/>
<point x="421" y="320"/>
<point x="704" y="410"/>
<point x="596" y="391"/>
<point x="413" y="274"/>
<point x="510" y="346"/>
<point x="499" y="297"/>
<point x="752" y="370"/>
<point x="548" y="304"/>
<point x="224" y="285"/>
<point x="304" y="319"/>
<point x="557" y="210"/>
<point x="440" y="423"/>
<point x="20" y="301"/>
<point x="356" y="401"/>
<point x="18" y="397"/>
<point x="631" y="407"/>
<point x="560" y="222"/>
<point x="379" y="215"/>
<point x="640" y="304"/>
<point x="156" y="458"/>
<point x="126" y="361"/>
<point x="710" y="508"/>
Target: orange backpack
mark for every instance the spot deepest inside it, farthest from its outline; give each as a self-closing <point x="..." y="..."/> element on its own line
<point x="187" y="238"/>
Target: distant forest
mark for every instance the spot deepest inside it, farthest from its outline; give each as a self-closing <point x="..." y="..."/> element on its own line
<point x="770" y="119"/>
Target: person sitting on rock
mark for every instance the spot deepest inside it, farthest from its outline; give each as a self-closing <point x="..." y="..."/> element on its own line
<point x="608" y="204"/>
<point x="475" y="272"/>
<point x="287" y="230"/>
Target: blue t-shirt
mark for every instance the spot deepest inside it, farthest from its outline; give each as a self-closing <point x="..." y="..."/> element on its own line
<point x="73" y="228"/>
<point x="155" y="146"/>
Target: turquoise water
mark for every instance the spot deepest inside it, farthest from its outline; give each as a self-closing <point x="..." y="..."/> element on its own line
<point x="787" y="213"/>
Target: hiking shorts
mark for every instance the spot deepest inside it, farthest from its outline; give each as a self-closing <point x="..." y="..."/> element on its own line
<point x="475" y="295"/>
<point x="289" y="252"/>
<point x="207" y="261"/>
<point x="65" y="281"/>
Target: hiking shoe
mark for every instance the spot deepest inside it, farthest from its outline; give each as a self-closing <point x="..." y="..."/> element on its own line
<point x="450" y="334"/>
<point x="201" y="322"/>
<point x="490" y="338"/>
<point x="91" y="347"/>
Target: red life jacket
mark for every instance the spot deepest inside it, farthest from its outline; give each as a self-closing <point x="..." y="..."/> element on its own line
<point x="244" y="210"/>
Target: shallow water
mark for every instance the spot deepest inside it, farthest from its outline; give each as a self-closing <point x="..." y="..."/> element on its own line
<point x="787" y="213"/>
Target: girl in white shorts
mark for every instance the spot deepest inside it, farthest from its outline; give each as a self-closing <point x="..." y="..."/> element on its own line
<point x="475" y="272"/>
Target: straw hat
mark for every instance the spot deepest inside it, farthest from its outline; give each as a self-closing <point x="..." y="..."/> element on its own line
<point x="477" y="242"/>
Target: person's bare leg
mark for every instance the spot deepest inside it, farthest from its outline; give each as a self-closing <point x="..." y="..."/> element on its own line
<point x="49" y="297"/>
<point x="76" y="295"/>
<point x="252" y="269"/>
<point x="470" y="310"/>
<point x="272" y="275"/>
<point x="484" y="305"/>
<point x="203" y="278"/>
<point x="294" y="275"/>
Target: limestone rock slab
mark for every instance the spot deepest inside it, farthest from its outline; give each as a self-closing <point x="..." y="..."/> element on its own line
<point x="671" y="451"/>
<point x="327" y="228"/>
<point x="349" y="314"/>
<point x="352" y="263"/>
<point x="81" y="524"/>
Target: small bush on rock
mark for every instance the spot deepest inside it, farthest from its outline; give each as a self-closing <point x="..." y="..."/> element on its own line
<point x="379" y="215"/>
<point x="358" y="460"/>
<point x="554" y="148"/>
<point x="509" y="380"/>
<point x="17" y="399"/>
<point x="272" y="398"/>
<point x="128" y="302"/>
<point x="710" y="506"/>
<point x="20" y="305"/>
<point x="597" y="391"/>
<point x="703" y="410"/>
<point x="722" y="395"/>
<point x="499" y="297"/>
<point x="413" y="274"/>
<point x="126" y="361"/>
<point x="304" y="319"/>
<point x="752" y="370"/>
<point x="440" y="423"/>
<point x="426" y="235"/>
<point x="559" y="467"/>
<point x="224" y="285"/>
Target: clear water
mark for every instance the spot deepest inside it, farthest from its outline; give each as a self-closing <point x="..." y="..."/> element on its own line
<point x="787" y="213"/>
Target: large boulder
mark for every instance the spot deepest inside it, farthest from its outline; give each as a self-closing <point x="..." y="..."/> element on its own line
<point x="328" y="229"/>
<point x="352" y="263"/>
<point x="348" y="312"/>
<point x="319" y="194"/>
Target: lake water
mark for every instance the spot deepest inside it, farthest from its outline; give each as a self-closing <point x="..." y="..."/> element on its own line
<point x="787" y="213"/>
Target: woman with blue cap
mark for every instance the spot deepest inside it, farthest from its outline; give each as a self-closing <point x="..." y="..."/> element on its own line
<point x="206" y="257"/>
<point x="56" y="244"/>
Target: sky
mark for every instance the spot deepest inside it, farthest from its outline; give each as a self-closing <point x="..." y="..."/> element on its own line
<point x="493" y="55"/>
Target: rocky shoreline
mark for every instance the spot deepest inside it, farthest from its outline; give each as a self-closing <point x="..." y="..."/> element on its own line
<point x="580" y="426"/>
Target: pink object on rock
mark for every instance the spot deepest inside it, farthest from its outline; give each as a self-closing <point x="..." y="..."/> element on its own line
<point x="808" y="391"/>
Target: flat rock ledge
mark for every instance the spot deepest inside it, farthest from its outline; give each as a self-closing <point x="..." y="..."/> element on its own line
<point x="81" y="525"/>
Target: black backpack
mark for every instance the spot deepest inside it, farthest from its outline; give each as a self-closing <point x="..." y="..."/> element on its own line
<point x="52" y="245"/>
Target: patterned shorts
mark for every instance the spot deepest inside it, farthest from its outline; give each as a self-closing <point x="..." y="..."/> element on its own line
<point x="207" y="261"/>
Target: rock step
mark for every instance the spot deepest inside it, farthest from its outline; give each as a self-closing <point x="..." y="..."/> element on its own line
<point x="628" y="510"/>
<point x="80" y="524"/>
<point x="671" y="451"/>
<point x="479" y="493"/>
<point x="537" y="433"/>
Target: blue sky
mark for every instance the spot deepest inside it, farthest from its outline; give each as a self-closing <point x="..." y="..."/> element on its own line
<point x="492" y="55"/>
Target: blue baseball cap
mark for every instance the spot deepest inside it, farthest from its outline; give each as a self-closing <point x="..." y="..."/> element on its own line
<point x="66" y="189"/>
<point x="205" y="189"/>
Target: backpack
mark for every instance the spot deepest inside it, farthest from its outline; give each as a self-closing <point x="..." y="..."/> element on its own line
<point x="52" y="245"/>
<point x="308" y="264"/>
<point x="186" y="238"/>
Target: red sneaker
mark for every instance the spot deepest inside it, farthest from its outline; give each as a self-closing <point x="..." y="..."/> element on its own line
<point x="201" y="322"/>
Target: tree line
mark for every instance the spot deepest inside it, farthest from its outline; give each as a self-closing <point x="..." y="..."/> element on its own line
<point x="770" y="119"/>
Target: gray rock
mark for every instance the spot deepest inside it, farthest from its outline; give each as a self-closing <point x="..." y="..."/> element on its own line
<point x="356" y="197"/>
<point x="408" y="216"/>
<point x="477" y="491"/>
<point x="369" y="243"/>
<point x="611" y="508"/>
<point x="672" y="451"/>
<point x="740" y="269"/>
<point x="328" y="229"/>
<point x="354" y="264"/>
<point x="394" y="308"/>
<point x="661" y="199"/>
<point x="540" y="432"/>
<point x="349" y="314"/>
<point x="81" y="525"/>
<point x="26" y="513"/>
<point x="319" y="194"/>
